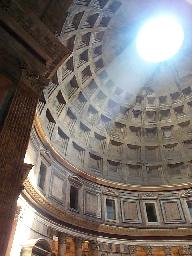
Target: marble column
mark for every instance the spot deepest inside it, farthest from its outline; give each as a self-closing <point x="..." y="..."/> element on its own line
<point x="62" y="244"/>
<point x="78" y="246"/>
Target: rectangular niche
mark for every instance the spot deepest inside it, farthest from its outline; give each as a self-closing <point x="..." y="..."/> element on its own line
<point x="150" y="116"/>
<point x="134" y="171"/>
<point x="115" y="149"/>
<point x="99" y="142"/>
<point x="167" y="132"/>
<point x="95" y="163"/>
<point x="172" y="152"/>
<point x="172" y="211"/>
<point x="84" y="133"/>
<point x="50" y="123"/>
<point x="151" y="133"/>
<point x="63" y="140"/>
<point x="187" y="147"/>
<point x="130" y="211"/>
<point x="57" y="185"/>
<point x="133" y="153"/>
<point x="113" y="166"/>
<point x="92" y="203"/>
<point x="100" y="98"/>
<point x="175" y="169"/>
<point x="90" y="89"/>
<point x="135" y="132"/>
<point x="92" y="115"/>
<point x="70" y="119"/>
<point x="152" y="154"/>
<point x="164" y="114"/>
<point x="79" y="152"/>
<point x="154" y="171"/>
<point x="71" y="87"/>
<point x="80" y="102"/>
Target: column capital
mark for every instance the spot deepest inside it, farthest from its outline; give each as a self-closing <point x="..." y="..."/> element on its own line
<point x="62" y="243"/>
<point x="78" y="245"/>
<point x="62" y="238"/>
<point x="94" y="245"/>
<point x="32" y="79"/>
<point x="78" y="241"/>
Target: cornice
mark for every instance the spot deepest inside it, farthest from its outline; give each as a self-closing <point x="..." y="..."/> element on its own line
<point x="100" y="181"/>
<point x="60" y="216"/>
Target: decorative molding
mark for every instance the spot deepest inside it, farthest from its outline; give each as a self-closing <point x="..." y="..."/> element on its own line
<point x="33" y="79"/>
<point x="35" y="197"/>
<point x="75" y="180"/>
<point x="110" y="192"/>
<point x="187" y="193"/>
<point x="172" y="211"/>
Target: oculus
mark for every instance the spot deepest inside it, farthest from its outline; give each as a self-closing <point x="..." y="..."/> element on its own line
<point x="159" y="39"/>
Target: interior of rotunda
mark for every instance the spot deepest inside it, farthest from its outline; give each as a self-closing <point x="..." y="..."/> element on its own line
<point x="95" y="128"/>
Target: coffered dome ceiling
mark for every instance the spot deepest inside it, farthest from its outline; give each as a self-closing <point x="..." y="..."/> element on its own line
<point x="111" y="114"/>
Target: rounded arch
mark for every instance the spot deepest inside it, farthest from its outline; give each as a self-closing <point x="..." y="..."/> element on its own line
<point x="38" y="246"/>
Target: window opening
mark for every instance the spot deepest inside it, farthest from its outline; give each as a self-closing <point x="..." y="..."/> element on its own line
<point x="151" y="212"/>
<point x="110" y="205"/>
<point x="74" y="198"/>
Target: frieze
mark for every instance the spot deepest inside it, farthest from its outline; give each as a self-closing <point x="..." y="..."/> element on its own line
<point x="75" y="180"/>
<point x="110" y="192"/>
<point x="127" y="194"/>
<point x="148" y="195"/>
<point x="168" y="195"/>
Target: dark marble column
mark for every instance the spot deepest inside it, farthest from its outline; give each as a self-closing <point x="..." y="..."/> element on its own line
<point x="62" y="244"/>
<point x="78" y="246"/>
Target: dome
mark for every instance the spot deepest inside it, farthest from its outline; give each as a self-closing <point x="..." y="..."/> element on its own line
<point x="96" y="142"/>
<point x="111" y="116"/>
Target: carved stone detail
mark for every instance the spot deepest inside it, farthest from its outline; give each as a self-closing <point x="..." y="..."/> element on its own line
<point x="33" y="79"/>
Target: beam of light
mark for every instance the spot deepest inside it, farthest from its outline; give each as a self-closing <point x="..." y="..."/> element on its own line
<point x="31" y="158"/>
<point x="23" y="229"/>
<point x="159" y="39"/>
